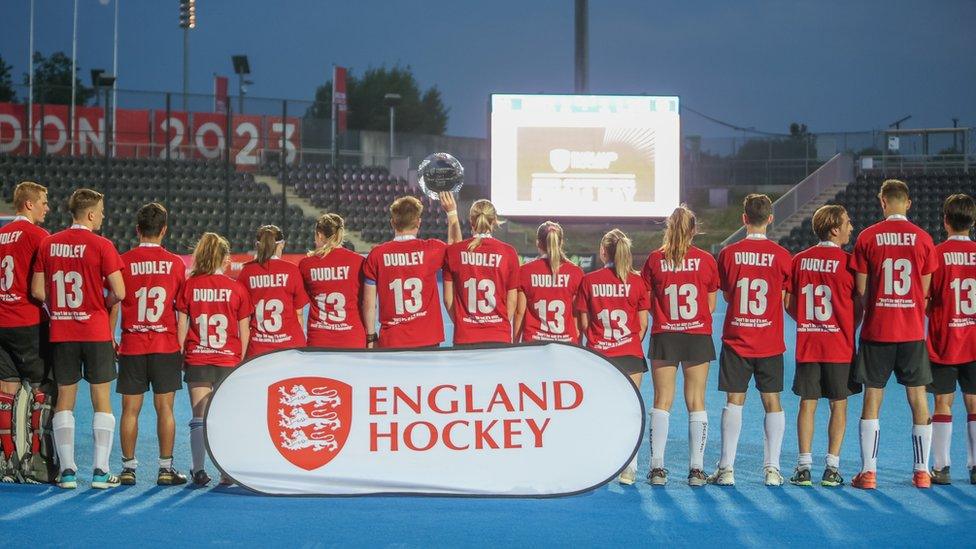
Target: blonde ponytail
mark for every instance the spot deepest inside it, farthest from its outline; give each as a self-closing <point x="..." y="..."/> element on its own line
<point x="680" y="230"/>
<point x="617" y="248"/>
<point x="484" y="219"/>
<point x="269" y="236"/>
<point x="333" y="230"/>
<point x="210" y="253"/>
<point x="549" y="239"/>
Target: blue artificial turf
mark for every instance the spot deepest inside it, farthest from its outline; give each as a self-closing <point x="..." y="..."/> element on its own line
<point x="748" y="514"/>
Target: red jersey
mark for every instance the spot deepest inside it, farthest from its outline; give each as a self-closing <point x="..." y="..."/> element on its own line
<point x="549" y="301"/>
<point x="19" y="240"/>
<point x="952" y="313"/>
<point x="613" y="309"/>
<point x="680" y="292"/>
<point x="753" y="273"/>
<point x="215" y="304"/>
<point x="153" y="279"/>
<point x="823" y="290"/>
<point x="335" y="285"/>
<point x="404" y="271"/>
<point x="277" y="292"/>
<point x="482" y="278"/>
<point x="75" y="263"/>
<point x="895" y="254"/>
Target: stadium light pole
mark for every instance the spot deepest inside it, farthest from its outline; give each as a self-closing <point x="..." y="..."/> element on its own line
<point x="392" y="100"/>
<point x="115" y="71"/>
<point x="582" y="47"/>
<point x="242" y="68"/>
<point x="74" y="62"/>
<point x="30" y="83"/>
<point x="188" y="20"/>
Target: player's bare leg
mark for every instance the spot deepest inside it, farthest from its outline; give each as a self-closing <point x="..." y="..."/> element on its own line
<point x="629" y="474"/>
<point x="166" y="434"/>
<point x="804" y="438"/>
<point x="941" y="437"/>
<point x="128" y="434"/>
<point x="696" y="379"/>
<point x="921" y="434"/>
<point x="199" y="397"/>
<point x="836" y="429"/>
<point x="774" y="427"/>
<point x="663" y="374"/>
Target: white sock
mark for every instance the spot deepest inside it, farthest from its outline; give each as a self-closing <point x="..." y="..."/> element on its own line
<point x="804" y="461"/>
<point x="103" y="430"/>
<point x="731" y="427"/>
<point x="63" y="425"/>
<point x="130" y="463"/>
<point x="775" y="425"/>
<point x="870" y="435"/>
<point x="697" y="438"/>
<point x="941" y="437"/>
<point x="166" y="463"/>
<point x="971" y="431"/>
<point x="922" y="443"/>
<point x="660" y="420"/>
<point x="832" y="461"/>
<point x="198" y="447"/>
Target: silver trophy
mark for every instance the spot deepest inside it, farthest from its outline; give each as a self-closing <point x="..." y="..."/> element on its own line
<point x="440" y="172"/>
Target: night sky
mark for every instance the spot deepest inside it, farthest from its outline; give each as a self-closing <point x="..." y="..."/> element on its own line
<point x="835" y="65"/>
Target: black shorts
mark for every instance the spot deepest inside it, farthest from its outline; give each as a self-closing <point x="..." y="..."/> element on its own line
<point x="735" y="371"/>
<point x="214" y="375"/>
<point x="137" y="372"/>
<point x="96" y="359"/>
<point x="830" y="380"/>
<point x="679" y="347"/>
<point x="25" y="353"/>
<point x="945" y="377"/>
<point x="628" y="364"/>
<point x="909" y="360"/>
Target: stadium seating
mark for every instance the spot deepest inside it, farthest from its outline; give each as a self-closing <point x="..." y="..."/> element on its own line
<point x="929" y="191"/>
<point x="192" y="190"/>
<point x="362" y="195"/>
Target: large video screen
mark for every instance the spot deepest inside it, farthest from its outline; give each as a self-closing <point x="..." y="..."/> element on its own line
<point x="584" y="155"/>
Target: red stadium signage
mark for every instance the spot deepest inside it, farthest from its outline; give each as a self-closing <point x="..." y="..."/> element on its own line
<point x="527" y="420"/>
<point x="144" y="133"/>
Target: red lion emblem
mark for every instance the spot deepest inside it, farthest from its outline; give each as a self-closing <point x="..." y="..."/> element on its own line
<point x="309" y="419"/>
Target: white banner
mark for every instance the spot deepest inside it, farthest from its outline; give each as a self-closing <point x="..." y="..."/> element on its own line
<point x="528" y="420"/>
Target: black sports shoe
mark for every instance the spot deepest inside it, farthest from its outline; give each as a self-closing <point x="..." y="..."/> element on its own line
<point x="801" y="477"/>
<point x="171" y="477"/>
<point x="128" y="476"/>
<point x="941" y="476"/>
<point x="831" y="477"/>
<point x="201" y="478"/>
<point x="972" y="475"/>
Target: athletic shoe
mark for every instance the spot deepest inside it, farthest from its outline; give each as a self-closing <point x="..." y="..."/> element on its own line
<point x="941" y="476"/>
<point x="102" y="480"/>
<point x="628" y="476"/>
<point x="972" y="475"/>
<point x="697" y="477"/>
<point x="865" y="480"/>
<point x="128" y="476"/>
<point x="922" y="479"/>
<point x="723" y="476"/>
<point x="801" y="477"/>
<point x="170" y="477"/>
<point x="831" y="477"/>
<point x="773" y="476"/>
<point x="201" y="478"/>
<point x="67" y="480"/>
<point x="7" y="472"/>
<point x="658" y="476"/>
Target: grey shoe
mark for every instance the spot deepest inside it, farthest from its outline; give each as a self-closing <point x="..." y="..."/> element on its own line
<point x="831" y="477"/>
<point x="801" y="477"/>
<point x="941" y="476"/>
<point x="658" y="476"/>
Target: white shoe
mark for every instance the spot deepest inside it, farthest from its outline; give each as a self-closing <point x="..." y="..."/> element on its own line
<point x="773" y="476"/>
<point x="723" y="476"/>
<point x="628" y="476"/>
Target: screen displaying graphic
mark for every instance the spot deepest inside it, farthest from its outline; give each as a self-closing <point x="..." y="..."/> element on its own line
<point x="584" y="155"/>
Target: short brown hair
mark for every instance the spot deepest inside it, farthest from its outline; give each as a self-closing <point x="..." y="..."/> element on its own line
<point x="894" y="190"/>
<point x="151" y="219"/>
<point x="27" y="191"/>
<point x="826" y="219"/>
<point x="82" y="200"/>
<point x="405" y="213"/>
<point x="758" y="208"/>
<point x="959" y="212"/>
